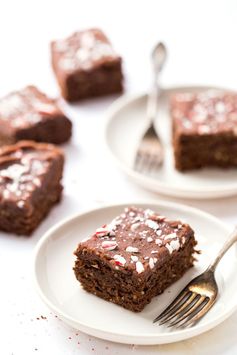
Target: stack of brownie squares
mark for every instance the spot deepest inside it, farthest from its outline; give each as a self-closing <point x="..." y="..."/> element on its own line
<point x="32" y="124"/>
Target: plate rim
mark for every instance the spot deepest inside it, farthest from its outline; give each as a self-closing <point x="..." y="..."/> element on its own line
<point x="148" y="339"/>
<point x="148" y="182"/>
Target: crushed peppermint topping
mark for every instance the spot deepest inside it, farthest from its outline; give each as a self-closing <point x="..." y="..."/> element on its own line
<point x="119" y="260"/>
<point x="132" y="250"/>
<point x="172" y="246"/>
<point x="151" y="224"/>
<point x="154" y="251"/>
<point x="109" y="245"/>
<point x="149" y="239"/>
<point x="134" y="258"/>
<point x="158" y="241"/>
<point x="139" y="267"/>
<point x="159" y="232"/>
<point x="102" y="231"/>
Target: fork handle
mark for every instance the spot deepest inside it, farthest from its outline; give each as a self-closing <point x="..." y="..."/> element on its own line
<point x="158" y="59"/>
<point x="152" y="102"/>
<point x="232" y="239"/>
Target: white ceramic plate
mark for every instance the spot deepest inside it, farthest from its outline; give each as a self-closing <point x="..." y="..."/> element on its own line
<point x="125" y="125"/>
<point x="59" y="289"/>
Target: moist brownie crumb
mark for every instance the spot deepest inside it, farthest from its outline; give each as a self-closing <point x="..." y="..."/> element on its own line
<point x="86" y="65"/>
<point x="204" y="129"/>
<point x="134" y="257"/>
<point x="30" y="184"/>
<point x="30" y="114"/>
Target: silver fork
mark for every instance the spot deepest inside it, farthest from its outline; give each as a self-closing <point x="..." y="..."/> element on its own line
<point x="196" y="299"/>
<point x="149" y="155"/>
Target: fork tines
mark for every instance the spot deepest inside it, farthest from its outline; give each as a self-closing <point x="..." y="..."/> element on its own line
<point x="186" y="309"/>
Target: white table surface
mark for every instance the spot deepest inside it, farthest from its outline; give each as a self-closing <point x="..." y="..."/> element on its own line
<point x="201" y="37"/>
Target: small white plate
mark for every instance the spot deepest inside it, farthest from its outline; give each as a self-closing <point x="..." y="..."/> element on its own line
<point x="125" y="125"/>
<point x="59" y="289"/>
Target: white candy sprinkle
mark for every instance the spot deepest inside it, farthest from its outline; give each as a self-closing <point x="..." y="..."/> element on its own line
<point x="6" y="193"/>
<point x="171" y="236"/>
<point x="134" y="226"/>
<point x="20" y="204"/>
<point x="37" y="182"/>
<point x="159" y="232"/>
<point x="139" y="267"/>
<point x="220" y="107"/>
<point x="203" y="129"/>
<point x="131" y="214"/>
<point x="158" y="241"/>
<point x="150" y="239"/>
<point x="151" y="224"/>
<point x="109" y="245"/>
<point x="132" y="250"/>
<point x="134" y="258"/>
<point x="173" y="245"/>
<point x="151" y="263"/>
<point x="148" y="212"/>
<point x="154" y="252"/>
<point x="119" y="260"/>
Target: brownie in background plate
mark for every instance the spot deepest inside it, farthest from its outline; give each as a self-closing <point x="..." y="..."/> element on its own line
<point x="86" y="65"/>
<point x="30" y="184"/>
<point x="135" y="257"/>
<point x="204" y="129"/>
<point x="30" y="114"/>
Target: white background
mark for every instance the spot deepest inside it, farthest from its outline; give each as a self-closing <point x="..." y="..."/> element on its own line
<point x="201" y="38"/>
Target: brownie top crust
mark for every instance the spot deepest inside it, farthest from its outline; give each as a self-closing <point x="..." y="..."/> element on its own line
<point x="137" y="240"/>
<point x="27" y="107"/>
<point x="208" y="112"/>
<point x="22" y="169"/>
<point x="83" y="51"/>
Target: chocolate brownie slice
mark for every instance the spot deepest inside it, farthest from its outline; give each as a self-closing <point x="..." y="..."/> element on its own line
<point x="30" y="114"/>
<point x="204" y="129"/>
<point x="30" y="184"/>
<point x="134" y="258"/>
<point x="86" y="65"/>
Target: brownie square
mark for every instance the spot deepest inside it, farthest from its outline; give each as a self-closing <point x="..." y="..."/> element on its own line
<point x="204" y="129"/>
<point x="134" y="258"/>
<point x="29" y="114"/>
<point x="86" y="65"/>
<point x="30" y="184"/>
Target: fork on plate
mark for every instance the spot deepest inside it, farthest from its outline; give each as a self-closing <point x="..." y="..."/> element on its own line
<point x="196" y="299"/>
<point x="149" y="155"/>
